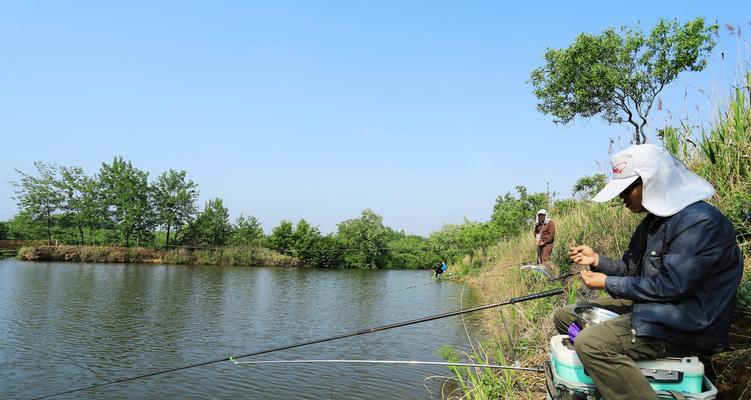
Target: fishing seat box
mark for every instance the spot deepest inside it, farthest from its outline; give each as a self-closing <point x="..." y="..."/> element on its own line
<point x="685" y="375"/>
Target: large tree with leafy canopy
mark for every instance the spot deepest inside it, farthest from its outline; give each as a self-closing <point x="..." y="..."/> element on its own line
<point x="365" y="240"/>
<point x="174" y="200"/>
<point x="126" y="196"/>
<point x="618" y="74"/>
<point x="81" y="199"/>
<point x="38" y="196"/>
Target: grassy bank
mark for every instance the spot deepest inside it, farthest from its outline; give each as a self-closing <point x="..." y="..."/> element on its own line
<point x="721" y="154"/>
<point x="110" y="254"/>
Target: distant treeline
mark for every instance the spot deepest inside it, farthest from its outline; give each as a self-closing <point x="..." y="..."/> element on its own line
<point x="120" y="206"/>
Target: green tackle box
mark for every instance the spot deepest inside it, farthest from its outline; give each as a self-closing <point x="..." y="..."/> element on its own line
<point x="685" y="375"/>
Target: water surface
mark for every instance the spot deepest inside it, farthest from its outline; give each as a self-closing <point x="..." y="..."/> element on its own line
<point x="67" y="325"/>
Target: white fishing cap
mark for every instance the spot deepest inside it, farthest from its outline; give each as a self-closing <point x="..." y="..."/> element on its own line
<point x="668" y="186"/>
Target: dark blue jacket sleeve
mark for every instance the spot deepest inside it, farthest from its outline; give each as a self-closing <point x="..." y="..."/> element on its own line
<point x="693" y="247"/>
<point x="612" y="267"/>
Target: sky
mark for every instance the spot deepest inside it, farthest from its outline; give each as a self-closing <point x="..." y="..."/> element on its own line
<point x="419" y="110"/>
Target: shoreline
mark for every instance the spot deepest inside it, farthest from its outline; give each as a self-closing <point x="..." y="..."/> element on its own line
<point x="143" y="255"/>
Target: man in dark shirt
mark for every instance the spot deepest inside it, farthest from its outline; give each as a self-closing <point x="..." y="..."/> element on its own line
<point x="675" y="286"/>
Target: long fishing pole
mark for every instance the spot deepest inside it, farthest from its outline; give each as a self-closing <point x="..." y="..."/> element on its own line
<point x="512" y="300"/>
<point x="391" y="362"/>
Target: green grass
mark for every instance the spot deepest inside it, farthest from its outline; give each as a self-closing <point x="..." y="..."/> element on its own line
<point x="721" y="153"/>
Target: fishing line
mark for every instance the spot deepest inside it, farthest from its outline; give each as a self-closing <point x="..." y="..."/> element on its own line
<point x="397" y="362"/>
<point x="322" y="340"/>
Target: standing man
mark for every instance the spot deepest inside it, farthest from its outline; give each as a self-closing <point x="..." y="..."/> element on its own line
<point x="675" y="286"/>
<point x="545" y="235"/>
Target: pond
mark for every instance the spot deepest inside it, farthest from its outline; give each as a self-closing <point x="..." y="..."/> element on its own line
<point x="68" y="325"/>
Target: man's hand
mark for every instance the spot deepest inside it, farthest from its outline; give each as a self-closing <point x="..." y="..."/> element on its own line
<point x="540" y="243"/>
<point x="594" y="280"/>
<point x="583" y="255"/>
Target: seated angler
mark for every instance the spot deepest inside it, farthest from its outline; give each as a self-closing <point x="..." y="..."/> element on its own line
<point x="675" y="286"/>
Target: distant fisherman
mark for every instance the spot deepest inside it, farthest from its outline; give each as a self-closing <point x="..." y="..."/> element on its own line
<point x="675" y="286"/>
<point x="438" y="270"/>
<point x="545" y="235"/>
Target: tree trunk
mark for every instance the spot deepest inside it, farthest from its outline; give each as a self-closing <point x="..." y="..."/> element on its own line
<point x="168" y="228"/>
<point x="80" y="231"/>
<point x="49" y="228"/>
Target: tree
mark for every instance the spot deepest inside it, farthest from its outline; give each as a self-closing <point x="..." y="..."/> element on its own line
<point x="477" y="235"/>
<point x="126" y="193"/>
<point x="23" y="227"/>
<point x="588" y="186"/>
<point x="246" y="231"/>
<point x="327" y="253"/>
<point x="512" y="215"/>
<point x="365" y="240"/>
<point x="38" y="196"/>
<point x="3" y="230"/>
<point x="619" y="74"/>
<point x="174" y="200"/>
<point x="81" y="200"/>
<point x="212" y="225"/>
<point x="446" y="243"/>
<point x="411" y="252"/>
<point x="305" y="238"/>
<point x="282" y="237"/>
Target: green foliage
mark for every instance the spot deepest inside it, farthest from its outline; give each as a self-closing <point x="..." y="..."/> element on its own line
<point x="327" y="252"/>
<point x="619" y="74"/>
<point x="126" y="196"/>
<point x="587" y="187"/>
<point x="3" y="230"/>
<point x="564" y="206"/>
<point x="721" y="155"/>
<point x="482" y="383"/>
<point x="174" y="200"/>
<point x="212" y="227"/>
<point x="82" y="200"/>
<point x="38" y="196"/>
<point x="282" y="237"/>
<point x="410" y="252"/>
<point x="512" y="215"/>
<point x="365" y="240"/>
<point x="446" y="243"/>
<point x="744" y="296"/>
<point x="305" y="239"/>
<point x="23" y="226"/>
<point x="246" y="232"/>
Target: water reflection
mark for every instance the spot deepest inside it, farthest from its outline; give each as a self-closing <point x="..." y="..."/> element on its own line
<point x="64" y="326"/>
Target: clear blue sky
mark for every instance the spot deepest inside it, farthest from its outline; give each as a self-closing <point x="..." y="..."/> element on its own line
<point x="317" y="110"/>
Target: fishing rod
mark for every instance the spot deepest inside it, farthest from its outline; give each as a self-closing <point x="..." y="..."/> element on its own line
<point x="391" y="362"/>
<point x="512" y="300"/>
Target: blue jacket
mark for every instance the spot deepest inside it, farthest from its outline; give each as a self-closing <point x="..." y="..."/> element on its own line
<point x="682" y="272"/>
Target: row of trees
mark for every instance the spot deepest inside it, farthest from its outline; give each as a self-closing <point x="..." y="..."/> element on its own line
<point x="120" y="205"/>
<point x="118" y="199"/>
